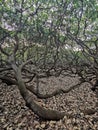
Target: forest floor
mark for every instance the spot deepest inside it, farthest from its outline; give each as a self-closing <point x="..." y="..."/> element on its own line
<point x="14" y="115"/>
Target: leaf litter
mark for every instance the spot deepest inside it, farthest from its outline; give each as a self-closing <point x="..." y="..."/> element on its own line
<point x="79" y="103"/>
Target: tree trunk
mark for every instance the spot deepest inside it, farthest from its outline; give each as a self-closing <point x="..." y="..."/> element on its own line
<point x="44" y="113"/>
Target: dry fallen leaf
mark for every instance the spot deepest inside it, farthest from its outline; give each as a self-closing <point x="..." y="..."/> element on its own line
<point x="16" y="116"/>
<point x="43" y="126"/>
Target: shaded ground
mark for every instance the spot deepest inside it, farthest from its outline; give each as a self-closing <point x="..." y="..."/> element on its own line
<point x="14" y="115"/>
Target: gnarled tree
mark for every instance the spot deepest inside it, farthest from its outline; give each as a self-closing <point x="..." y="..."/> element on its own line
<point x="47" y="38"/>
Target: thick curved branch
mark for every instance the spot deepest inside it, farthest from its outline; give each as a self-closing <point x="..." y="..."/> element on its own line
<point x="5" y="69"/>
<point x="8" y="81"/>
<point x="16" y="45"/>
<point x="42" y="112"/>
<point x="56" y="92"/>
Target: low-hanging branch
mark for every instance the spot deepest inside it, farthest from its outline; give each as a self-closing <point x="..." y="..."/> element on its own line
<point x="44" y="113"/>
<point x="10" y="81"/>
<point x="54" y="93"/>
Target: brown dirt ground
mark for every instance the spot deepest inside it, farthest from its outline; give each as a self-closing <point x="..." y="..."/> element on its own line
<point x="14" y="115"/>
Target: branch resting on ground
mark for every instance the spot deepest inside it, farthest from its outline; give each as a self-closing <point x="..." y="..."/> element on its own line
<point x="56" y="92"/>
<point x="42" y="112"/>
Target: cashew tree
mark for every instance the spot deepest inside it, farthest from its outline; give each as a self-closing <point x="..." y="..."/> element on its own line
<point x="47" y="38"/>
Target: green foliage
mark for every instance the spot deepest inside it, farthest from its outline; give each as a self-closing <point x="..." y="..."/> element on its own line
<point x="47" y="23"/>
